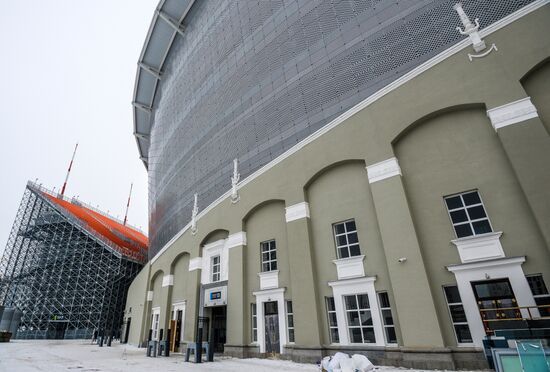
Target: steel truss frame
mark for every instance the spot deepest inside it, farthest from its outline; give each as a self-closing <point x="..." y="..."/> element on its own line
<point x="56" y="269"/>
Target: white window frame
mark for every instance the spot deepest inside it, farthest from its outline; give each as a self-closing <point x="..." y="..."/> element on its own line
<point x="216" y="268"/>
<point x="346" y="233"/>
<point x="384" y="325"/>
<point x="290" y="315"/>
<point x="358" y="310"/>
<point x="332" y="327"/>
<point x="464" y="208"/>
<point x="254" y="320"/>
<point x="453" y="323"/>
<point x="155" y="323"/>
<point x="270" y="262"/>
<point x="547" y="295"/>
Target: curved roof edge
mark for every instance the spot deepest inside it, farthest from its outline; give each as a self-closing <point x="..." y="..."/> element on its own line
<point x="166" y="24"/>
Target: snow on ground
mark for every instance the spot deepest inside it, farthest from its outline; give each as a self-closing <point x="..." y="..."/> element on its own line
<point x="81" y="356"/>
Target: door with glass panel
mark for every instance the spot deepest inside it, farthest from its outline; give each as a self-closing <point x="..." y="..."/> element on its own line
<point x="497" y="304"/>
<point x="271" y="318"/>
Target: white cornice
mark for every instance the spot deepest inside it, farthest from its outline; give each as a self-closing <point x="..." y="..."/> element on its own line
<point x="297" y="211"/>
<point x="167" y="280"/>
<point x="360" y="106"/>
<point x="384" y="169"/>
<point x="512" y="113"/>
<point x="486" y="264"/>
<point x="195" y="264"/>
<point x="350" y="282"/>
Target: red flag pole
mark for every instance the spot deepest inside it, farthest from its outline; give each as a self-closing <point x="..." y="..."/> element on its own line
<point x="68" y="171"/>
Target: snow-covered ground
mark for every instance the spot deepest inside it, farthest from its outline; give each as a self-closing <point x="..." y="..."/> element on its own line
<point x="80" y="356"/>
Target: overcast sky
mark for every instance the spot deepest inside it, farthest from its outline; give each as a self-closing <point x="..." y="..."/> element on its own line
<point x="67" y="70"/>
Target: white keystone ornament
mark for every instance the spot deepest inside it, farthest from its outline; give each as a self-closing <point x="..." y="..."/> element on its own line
<point x="234" y="181"/>
<point x="194" y="213"/>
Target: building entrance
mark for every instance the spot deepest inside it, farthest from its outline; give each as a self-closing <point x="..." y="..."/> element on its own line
<point x="219" y="317"/>
<point x="497" y="304"/>
<point x="271" y="316"/>
<point x="56" y="329"/>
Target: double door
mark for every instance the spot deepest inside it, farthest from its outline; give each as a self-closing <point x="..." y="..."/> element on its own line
<point x="497" y="304"/>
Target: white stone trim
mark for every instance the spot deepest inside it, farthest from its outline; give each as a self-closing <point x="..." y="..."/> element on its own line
<point x="360" y="106"/>
<point x="269" y="279"/>
<point x="167" y="280"/>
<point x="150" y="296"/>
<point x="195" y="264"/>
<point x="269" y="295"/>
<point x="495" y="269"/>
<point x="512" y="113"/>
<point x="297" y="211"/>
<point x="384" y="169"/>
<point x="342" y="288"/>
<point x="236" y="240"/>
<point x="217" y="248"/>
<point x="351" y="267"/>
<point x="479" y="247"/>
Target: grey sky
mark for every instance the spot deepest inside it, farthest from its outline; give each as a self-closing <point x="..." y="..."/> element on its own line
<point x="67" y="70"/>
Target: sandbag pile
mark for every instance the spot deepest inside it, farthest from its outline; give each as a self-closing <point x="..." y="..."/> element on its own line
<point x="341" y="362"/>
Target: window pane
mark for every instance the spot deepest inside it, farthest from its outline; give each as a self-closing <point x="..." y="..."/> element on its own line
<point x="255" y="335"/>
<point x="536" y="283"/>
<point x="457" y="313"/>
<point x="387" y="317"/>
<point x="350" y="302"/>
<point x="463" y="230"/>
<point x="471" y="198"/>
<point x="354" y="250"/>
<point x="291" y="321"/>
<point x="265" y="247"/>
<point x="363" y="301"/>
<point x="272" y="244"/>
<point x="339" y="228"/>
<point x="343" y="252"/>
<point x="265" y="267"/>
<point x="368" y="334"/>
<point x="289" y="307"/>
<point x="265" y="257"/>
<point x="332" y="320"/>
<point x="352" y="238"/>
<point x="350" y="225"/>
<point x="330" y="303"/>
<point x="390" y="335"/>
<point x="463" y="333"/>
<point x="341" y="240"/>
<point x="273" y="255"/>
<point x="482" y="227"/>
<point x="290" y="335"/>
<point x="274" y="265"/>
<point x="384" y="299"/>
<point x="459" y="216"/>
<point x="254" y="322"/>
<point x="355" y="335"/>
<point x="334" y="335"/>
<point x="353" y="318"/>
<point x="476" y="212"/>
<point x="453" y="202"/>
<point x="452" y="294"/>
<point x="366" y="318"/>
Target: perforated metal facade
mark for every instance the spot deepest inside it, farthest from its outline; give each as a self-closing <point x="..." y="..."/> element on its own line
<point x="250" y="79"/>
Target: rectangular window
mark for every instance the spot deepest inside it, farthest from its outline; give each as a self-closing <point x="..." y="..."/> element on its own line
<point x="540" y="293"/>
<point x="254" y="323"/>
<point x="290" y="321"/>
<point x="387" y="318"/>
<point x="359" y="318"/>
<point x="468" y="214"/>
<point x="458" y="317"/>
<point x="269" y="255"/>
<point x="216" y="266"/>
<point x="345" y="236"/>
<point x="332" y="321"/>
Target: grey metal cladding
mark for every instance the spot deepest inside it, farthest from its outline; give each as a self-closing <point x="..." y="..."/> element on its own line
<point x="250" y="79"/>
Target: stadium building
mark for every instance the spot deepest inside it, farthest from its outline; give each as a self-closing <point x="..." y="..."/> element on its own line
<point x="345" y="175"/>
<point x="67" y="268"/>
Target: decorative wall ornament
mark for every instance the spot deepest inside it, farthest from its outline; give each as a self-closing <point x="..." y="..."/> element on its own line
<point x="473" y="33"/>
<point x="235" y="197"/>
<point x="195" y="211"/>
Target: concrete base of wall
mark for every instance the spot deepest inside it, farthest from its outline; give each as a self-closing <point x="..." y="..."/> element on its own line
<point x="419" y="358"/>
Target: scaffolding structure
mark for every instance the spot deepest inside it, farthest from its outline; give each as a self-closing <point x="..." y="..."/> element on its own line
<point x="63" y="272"/>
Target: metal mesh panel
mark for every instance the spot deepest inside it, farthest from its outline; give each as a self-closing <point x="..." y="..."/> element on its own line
<point x="55" y="271"/>
<point x="251" y="79"/>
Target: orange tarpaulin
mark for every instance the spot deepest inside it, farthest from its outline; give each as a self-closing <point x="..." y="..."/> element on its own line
<point x="119" y="234"/>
